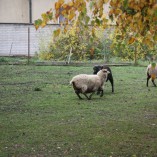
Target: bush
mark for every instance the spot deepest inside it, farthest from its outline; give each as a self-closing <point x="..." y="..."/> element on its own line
<point x="46" y="55"/>
<point x="135" y="50"/>
<point x="77" y="44"/>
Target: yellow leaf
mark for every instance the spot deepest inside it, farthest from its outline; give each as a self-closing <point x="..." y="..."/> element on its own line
<point x="57" y="5"/>
<point x="129" y="18"/>
<point x="71" y="15"/>
<point x="70" y="4"/>
<point x="123" y="16"/>
<point x="65" y="6"/>
<point x="64" y="12"/>
<point x="111" y="11"/>
<point x="118" y="11"/>
<point x="57" y="14"/>
<point x="100" y="3"/>
<point x="155" y="37"/>
<point x="65" y="30"/>
<point x="56" y="33"/>
<point x="137" y="15"/>
<point x="61" y="1"/>
<point x="106" y="1"/>
<point x="43" y="24"/>
<point x="148" y="42"/>
<point x="93" y="32"/>
<point x="150" y="11"/>
<point x="155" y="17"/>
<point x="155" y="6"/>
<point x="43" y="15"/>
<point x="100" y="12"/>
<point x="131" y="40"/>
<point x="105" y="26"/>
<point x="113" y="3"/>
<point x="140" y="24"/>
<point x="36" y="27"/>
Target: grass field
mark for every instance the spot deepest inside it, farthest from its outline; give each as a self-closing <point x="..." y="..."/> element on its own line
<point x="41" y="116"/>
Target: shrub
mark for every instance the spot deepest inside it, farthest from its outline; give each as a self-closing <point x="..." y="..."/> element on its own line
<point x="131" y="49"/>
<point x="46" y="55"/>
<point x="77" y="44"/>
<point x="103" y="49"/>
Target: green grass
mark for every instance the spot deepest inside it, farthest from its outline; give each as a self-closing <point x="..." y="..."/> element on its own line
<point x="41" y="116"/>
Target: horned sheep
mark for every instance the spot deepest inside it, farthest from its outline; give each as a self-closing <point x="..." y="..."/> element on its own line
<point x="85" y="84"/>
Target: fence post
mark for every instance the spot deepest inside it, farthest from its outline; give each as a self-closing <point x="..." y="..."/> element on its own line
<point x="28" y="46"/>
<point x="11" y="49"/>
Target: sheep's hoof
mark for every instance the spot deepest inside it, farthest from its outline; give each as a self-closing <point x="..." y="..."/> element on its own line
<point x="101" y="95"/>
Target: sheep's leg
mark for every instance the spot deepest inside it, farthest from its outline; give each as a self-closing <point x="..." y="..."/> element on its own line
<point x="153" y="83"/>
<point x="86" y="96"/>
<point x="91" y="95"/>
<point x="112" y="84"/>
<point x="148" y="77"/>
<point x="102" y="93"/>
<point x="100" y="90"/>
<point x="78" y="94"/>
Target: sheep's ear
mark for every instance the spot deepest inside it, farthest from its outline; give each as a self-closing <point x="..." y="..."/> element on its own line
<point x="95" y="67"/>
<point x="108" y="72"/>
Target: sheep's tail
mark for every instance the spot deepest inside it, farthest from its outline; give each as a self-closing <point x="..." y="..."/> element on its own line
<point x="72" y="82"/>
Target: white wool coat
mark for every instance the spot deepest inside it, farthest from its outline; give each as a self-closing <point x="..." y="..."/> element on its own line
<point x="152" y="70"/>
<point x="89" y="83"/>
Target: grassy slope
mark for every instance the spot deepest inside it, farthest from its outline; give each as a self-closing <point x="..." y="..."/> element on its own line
<point x="54" y="122"/>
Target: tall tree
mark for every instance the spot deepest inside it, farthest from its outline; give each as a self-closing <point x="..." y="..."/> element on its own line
<point x="135" y="18"/>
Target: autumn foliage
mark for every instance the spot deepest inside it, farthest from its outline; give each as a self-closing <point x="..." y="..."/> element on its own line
<point x="134" y="19"/>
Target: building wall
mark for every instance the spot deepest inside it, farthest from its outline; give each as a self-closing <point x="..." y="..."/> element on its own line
<point x="41" y="6"/>
<point x="14" y="38"/>
<point x="14" y="11"/>
<point x="18" y="11"/>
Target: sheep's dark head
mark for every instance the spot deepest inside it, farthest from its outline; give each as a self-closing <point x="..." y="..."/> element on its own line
<point x="97" y="68"/>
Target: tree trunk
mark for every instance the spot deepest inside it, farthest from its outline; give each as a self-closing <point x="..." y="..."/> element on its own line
<point x="69" y="57"/>
<point x="135" y="56"/>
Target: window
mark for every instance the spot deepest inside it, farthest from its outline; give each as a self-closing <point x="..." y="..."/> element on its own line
<point x="61" y="18"/>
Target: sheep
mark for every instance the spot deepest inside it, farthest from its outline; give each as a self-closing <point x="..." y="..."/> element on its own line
<point x="97" y="68"/>
<point x="85" y="84"/>
<point x="152" y="73"/>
